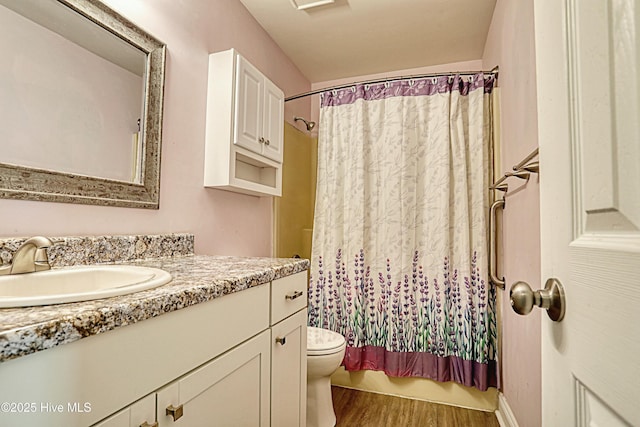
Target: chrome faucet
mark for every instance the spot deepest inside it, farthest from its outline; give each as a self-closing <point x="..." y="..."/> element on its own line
<point x="31" y="256"/>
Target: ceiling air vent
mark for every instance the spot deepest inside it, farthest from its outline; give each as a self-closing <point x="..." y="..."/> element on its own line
<point x="308" y="4"/>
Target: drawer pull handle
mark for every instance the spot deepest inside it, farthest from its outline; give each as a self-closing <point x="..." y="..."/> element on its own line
<point x="267" y="142"/>
<point x="261" y="140"/>
<point x="146" y="424"/>
<point x="294" y="295"/>
<point x="175" y="412"/>
<point x="281" y="341"/>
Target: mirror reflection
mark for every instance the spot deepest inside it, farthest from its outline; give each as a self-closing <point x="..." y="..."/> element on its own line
<point x="81" y="100"/>
<point x="72" y="93"/>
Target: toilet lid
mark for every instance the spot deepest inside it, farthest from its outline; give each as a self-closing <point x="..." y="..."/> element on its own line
<point x="323" y="341"/>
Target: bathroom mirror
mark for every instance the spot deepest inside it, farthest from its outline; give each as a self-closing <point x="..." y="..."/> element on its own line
<point x="81" y="106"/>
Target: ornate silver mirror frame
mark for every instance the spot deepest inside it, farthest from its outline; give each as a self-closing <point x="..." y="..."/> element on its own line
<point x="18" y="182"/>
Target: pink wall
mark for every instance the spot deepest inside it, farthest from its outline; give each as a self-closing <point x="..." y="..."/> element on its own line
<point x="510" y="44"/>
<point x="223" y="222"/>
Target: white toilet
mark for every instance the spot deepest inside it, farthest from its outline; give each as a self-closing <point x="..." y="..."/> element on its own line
<point x="325" y="351"/>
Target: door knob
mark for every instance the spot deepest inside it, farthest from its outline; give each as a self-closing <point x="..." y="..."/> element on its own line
<point x="551" y="298"/>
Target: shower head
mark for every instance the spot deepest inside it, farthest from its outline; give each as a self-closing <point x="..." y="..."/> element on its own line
<point x="310" y="125"/>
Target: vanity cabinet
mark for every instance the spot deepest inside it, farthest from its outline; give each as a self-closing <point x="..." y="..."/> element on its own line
<point x="244" y="129"/>
<point x="231" y="390"/>
<point x="237" y="360"/>
<point x="289" y="351"/>
<point x="139" y="414"/>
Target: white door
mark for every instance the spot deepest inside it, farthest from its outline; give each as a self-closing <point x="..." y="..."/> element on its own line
<point x="588" y="82"/>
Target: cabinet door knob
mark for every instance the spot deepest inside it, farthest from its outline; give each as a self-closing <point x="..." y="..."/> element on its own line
<point x="267" y="142"/>
<point x="281" y="341"/>
<point x="175" y="412"/>
<point x="261" y="140"/>
<point x="294" y="295"/>
<point x="146" y="424"/>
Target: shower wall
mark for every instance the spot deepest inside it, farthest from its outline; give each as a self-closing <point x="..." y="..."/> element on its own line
<point x="293" y="212"/>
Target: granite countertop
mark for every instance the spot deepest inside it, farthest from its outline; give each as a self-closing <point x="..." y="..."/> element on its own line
<point x="196" y="279"/>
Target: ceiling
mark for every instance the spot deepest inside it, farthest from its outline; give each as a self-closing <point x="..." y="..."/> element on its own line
<point x="359" y="37"/>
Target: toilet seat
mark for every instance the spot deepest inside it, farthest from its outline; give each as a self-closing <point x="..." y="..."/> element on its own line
<point x="323" y="341"/>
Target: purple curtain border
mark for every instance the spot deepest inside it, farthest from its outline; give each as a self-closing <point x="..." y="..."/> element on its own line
<point x="408" y="87"/>
<point x="424" y="365"/>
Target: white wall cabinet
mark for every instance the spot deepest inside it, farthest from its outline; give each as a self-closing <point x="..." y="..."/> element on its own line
<point x="245" y="127"/>
<point x="217" y="362"/>
<point x="259" y="111"/>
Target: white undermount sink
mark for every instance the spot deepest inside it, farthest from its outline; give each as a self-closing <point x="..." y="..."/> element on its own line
<point x="81" y="283"/>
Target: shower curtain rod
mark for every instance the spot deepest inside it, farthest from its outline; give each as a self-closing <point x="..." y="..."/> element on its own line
<point x="494" y="70"/>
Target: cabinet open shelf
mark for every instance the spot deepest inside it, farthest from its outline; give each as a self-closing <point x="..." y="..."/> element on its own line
<point x="254" y="171"/>
<point x="255" y="177"/>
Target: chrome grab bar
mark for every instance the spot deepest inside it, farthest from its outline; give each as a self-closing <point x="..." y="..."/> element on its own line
<point x="522" y="170"/>
<point x="492" y="244"/>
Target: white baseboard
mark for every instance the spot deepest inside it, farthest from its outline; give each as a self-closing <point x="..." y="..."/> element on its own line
<point x="504" y="414"/>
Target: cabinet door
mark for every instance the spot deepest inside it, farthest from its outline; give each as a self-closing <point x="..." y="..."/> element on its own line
<point x="231" y="390"/>
<point x="289" y="371"/>
<point x="140" y="414"/>
<point x="249" y="106"/>
<point x="273" y="121"/>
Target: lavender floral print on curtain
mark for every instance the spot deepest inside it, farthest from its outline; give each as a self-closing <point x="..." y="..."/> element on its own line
<point x="400" y="231"/>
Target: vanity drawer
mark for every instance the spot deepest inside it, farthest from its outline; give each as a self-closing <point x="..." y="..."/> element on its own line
<point x="288" y="295"/>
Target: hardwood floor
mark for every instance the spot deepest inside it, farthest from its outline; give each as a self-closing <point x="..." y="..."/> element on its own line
<point x="357" y="408"/>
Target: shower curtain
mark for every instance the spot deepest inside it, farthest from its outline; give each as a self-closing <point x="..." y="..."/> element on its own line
<point x="399" y="254"/>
